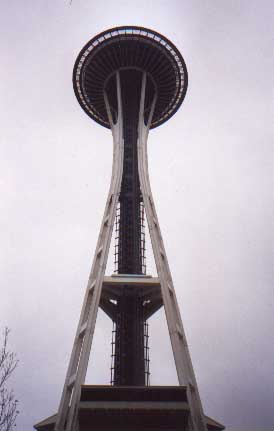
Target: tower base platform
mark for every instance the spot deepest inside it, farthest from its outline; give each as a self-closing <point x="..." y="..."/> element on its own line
<point x="134" y="408"/>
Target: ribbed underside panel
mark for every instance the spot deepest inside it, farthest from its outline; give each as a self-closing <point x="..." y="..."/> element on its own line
<point x="130" y="49"/>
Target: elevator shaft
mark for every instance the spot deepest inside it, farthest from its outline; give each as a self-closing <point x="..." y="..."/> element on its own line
<point x="129" y="358"/>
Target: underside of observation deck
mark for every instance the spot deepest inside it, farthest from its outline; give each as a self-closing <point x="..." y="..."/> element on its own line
<point x="123" y="48"/>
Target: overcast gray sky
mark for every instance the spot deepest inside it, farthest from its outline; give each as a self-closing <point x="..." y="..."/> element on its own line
<point x="211" y="169"/>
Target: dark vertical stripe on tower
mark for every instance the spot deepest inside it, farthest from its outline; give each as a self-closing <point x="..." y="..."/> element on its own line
<point x="129" y="254"/>
<point x="129" y="363"/>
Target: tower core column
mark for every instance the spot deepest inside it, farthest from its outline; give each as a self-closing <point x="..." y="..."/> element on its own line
<point x="129" y="351"/>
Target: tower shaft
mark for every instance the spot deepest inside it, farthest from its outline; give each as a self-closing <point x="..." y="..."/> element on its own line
<point x="129" y="359"/>
<point x="129" y="248"/>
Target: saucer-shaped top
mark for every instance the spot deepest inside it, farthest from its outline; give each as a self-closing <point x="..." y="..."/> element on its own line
<point x="124" y="48"/>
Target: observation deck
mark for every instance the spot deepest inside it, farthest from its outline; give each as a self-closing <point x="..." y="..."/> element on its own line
<point x="125" y="49"/>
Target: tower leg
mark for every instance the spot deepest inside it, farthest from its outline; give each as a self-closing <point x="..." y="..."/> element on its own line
<point x="181" y="354"/>
<point x="67" y="413"/>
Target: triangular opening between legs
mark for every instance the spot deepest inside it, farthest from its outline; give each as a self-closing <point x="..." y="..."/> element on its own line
<point x="156" y="340"/>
